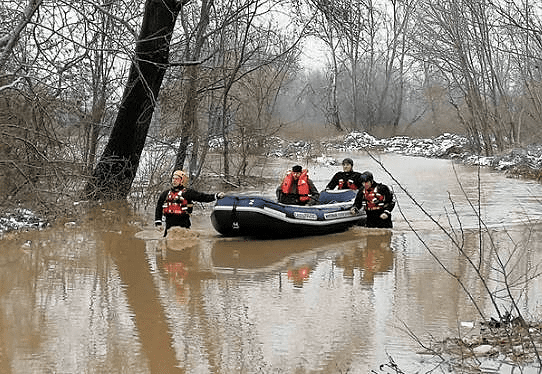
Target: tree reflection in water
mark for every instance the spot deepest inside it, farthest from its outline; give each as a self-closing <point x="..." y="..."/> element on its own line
<point x="128" y="254"/>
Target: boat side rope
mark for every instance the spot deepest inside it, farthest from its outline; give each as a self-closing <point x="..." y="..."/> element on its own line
<point x="234" y="216"/>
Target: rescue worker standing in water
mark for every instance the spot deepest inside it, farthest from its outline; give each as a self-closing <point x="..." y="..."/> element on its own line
<point x="377" y="200"/>
<point x="297" y="188"/>
<point x="176" y="203"/>
<point x="346" y="179"/>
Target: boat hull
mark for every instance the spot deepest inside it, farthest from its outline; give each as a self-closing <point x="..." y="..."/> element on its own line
<point x="258" y="216"/>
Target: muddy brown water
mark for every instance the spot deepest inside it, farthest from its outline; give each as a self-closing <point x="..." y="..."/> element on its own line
<point x="94" y="297"/>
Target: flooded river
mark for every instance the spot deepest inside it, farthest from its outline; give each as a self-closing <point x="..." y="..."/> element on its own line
<point x="94" y="297"/>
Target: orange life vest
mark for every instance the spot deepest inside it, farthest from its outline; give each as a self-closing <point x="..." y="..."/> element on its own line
<point x="374" y="199"/>
<point x="303" y="188"/>
<point x="175" y="203"/>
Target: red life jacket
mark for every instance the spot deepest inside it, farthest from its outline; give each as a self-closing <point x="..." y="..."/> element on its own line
<point x="374" y="199"/>
<point x="303" y="188"/>
<point x="175" y="203"/>
<point x="349" y="184"/>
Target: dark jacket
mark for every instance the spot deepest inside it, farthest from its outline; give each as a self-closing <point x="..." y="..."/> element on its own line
<point x="293" y="198"/>
<point x="385" y="204"/>
<point x="182" y="220"/>
<point x="352" y="176"/>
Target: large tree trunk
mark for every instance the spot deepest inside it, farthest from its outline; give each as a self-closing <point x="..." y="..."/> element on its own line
<point x="117" y="167"/>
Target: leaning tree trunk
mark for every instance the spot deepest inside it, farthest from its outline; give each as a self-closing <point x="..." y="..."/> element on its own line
<point x="113" y="176"/>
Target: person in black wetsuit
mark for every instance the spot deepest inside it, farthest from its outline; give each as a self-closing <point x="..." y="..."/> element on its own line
<point x="377" y="200"/>
<point x="346" y="179"/>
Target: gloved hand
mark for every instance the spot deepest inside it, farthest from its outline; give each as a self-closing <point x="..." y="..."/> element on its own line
<point x="385" y="215"/>
<point x="354" y="210"/>
<point x="220" y="195"/>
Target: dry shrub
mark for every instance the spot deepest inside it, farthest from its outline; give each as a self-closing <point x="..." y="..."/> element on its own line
<point x="35" y="170"/>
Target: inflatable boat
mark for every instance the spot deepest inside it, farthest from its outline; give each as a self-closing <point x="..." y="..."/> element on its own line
<point x="259" y="216"/>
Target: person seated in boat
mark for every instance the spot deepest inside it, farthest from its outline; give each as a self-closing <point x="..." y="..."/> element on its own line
<point x="346" y="179"/>
<point x="175" y="203"/>
<point x="297" y="188"/>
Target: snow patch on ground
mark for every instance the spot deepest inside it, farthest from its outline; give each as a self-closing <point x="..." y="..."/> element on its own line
<point x="19" y="219"/>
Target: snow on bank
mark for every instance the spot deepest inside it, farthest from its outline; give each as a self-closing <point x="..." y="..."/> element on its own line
<point x="520" y="161"/>
<point x="20" y="219"/>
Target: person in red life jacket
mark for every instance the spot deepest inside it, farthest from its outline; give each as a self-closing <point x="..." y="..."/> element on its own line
<point x="175" y="204"/>
<point x="297" y="188"/>
<point x="377" y="200"/>
<point x="346" y="179"/>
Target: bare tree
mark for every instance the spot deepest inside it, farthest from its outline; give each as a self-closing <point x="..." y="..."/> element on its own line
<point x="367" y="42"/>
<point x="104" y="43"/>
<point x="488" y="60"/>
<point x="246" y="44"/>
<point x="325" y="18"/>
<point x="395" y="62"/>
<point x="9" y="41"/>
<point x="522" y="23"/>
<point x="189" y="123"/>
<point x="256" y="95"/>
<point x="47" y="61"/>
<point x="117" y="167"/>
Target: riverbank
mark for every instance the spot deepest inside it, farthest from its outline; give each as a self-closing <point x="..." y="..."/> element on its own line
<point x="525" y="162"/>
<point x="518" y="163"/>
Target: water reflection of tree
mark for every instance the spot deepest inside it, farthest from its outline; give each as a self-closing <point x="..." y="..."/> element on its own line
<point x="128" y="254"/>
<point x="211" y="320"/>
<point x="373" y="256"/>
<point x="13" y="257"/>
<point x="67" y="301"/>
